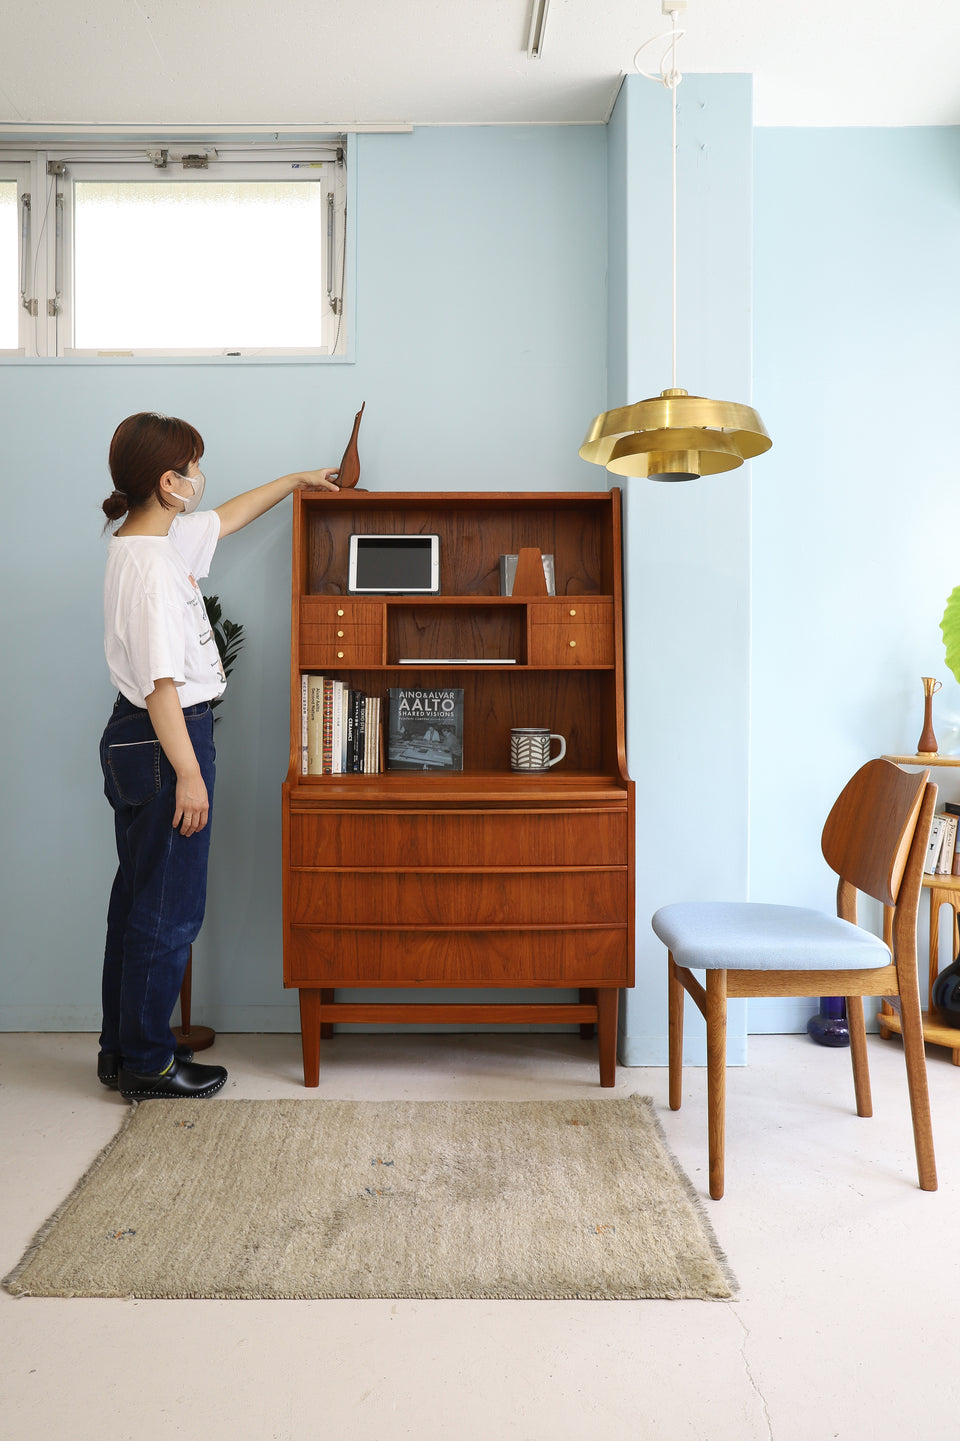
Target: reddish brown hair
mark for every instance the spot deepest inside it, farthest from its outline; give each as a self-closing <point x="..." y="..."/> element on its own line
<point x="144" y="447"/>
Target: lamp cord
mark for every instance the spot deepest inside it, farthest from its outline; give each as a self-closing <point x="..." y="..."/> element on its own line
<point x="674" y="81"/>
<point x="670" y="79"/>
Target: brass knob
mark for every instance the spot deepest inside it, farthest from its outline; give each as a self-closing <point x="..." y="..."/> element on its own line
<point x="339" y="655"/>
<point x="573" y="642"/>
<point x="340" y="635"/>
<point x="573" y="612"/>
<point x="339" y="612"/>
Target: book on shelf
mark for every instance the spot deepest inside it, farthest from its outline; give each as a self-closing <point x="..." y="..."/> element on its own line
<point x="425" y="729"/>
<point x="333" y="728"/>
<point x="371" y="759"/>
<point x="313" y="710"/>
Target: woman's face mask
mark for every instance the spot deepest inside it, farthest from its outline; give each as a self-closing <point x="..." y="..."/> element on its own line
<point x="190" y="502"/>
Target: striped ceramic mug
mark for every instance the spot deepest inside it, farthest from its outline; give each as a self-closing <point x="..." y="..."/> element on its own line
<point x="530" y="748"/>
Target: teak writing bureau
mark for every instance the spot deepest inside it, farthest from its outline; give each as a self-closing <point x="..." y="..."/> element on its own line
<point x="480" y="878"/>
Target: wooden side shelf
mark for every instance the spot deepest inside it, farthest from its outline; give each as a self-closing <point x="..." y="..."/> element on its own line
<point x="480" y="878"/>
<point x="944" y="891"/>
<point x="924" y="760"/>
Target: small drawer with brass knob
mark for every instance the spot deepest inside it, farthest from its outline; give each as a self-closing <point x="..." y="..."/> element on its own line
<point x="339" y="631"/>
<point x="571" y="610"/>
<point x="571" y="631"/>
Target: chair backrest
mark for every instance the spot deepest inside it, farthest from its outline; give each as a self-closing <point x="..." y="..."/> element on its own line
<point x="869" y="831"/>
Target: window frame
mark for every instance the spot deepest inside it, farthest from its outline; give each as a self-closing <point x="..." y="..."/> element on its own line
<point x="52" y="174"/>
<point x="19" y="170"/>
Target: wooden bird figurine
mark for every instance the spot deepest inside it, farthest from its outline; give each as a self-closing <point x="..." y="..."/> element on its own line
<point x="349" y="472"/>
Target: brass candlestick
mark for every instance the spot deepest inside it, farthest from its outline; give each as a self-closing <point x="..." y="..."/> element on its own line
<point x="927" y="744"/>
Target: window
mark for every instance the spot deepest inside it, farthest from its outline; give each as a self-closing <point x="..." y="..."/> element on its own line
<point x="172" y="252"/>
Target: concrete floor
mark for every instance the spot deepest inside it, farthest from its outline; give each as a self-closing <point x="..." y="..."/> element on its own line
<point x="844" y="1326"/>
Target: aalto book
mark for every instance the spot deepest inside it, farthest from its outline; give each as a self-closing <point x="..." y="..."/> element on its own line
<point x="425" y="730"/>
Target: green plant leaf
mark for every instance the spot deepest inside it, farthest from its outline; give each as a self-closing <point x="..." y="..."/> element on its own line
<point x="950" y="626"/>
<point x="227" y="634"/>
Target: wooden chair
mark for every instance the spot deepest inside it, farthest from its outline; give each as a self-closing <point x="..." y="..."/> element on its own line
<point x="875" y="838"/>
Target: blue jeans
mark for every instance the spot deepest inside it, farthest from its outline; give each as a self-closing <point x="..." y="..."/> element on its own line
<point x="157" y="901"/>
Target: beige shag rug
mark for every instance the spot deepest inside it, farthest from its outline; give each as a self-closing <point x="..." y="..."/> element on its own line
<point x="521" y="1200"/>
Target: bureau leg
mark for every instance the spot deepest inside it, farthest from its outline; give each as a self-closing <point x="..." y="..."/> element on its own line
<point x="607" y="1006"/>
<point x="327" y="998"/>
<point x="310" y="1036"/>
<point x="587" y="1028"/>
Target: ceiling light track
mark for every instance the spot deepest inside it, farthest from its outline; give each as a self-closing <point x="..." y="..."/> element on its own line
<point x="538" y="27"/>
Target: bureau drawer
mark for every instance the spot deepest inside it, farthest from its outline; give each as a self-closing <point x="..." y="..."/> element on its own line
<point x="571" y="632"/>
<point x="339" y="631"/>
<point x="571" y="611"/>
<point x="341" y="646"/>
<point x="516" y="898"/>
<point x="459" y="838"/>
<point x="336" y="610"/>
<point x="570" y="645"/>
<point x="396" y="958"/>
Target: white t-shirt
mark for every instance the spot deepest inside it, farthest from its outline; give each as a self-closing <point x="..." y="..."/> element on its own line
<point x="155" y="622"/>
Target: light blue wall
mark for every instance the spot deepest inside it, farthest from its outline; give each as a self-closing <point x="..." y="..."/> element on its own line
<point x="480" y="351"/>
<point x="856" y="510"/>
<point x="687" y="545"/>
<point x="784" y="616"/>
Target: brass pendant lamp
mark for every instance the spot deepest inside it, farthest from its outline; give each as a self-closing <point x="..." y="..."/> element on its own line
<point x="675" y="436"/>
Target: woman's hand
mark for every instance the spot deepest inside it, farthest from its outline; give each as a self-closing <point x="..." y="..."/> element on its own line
<point x="192" y="806"/>
<point x="318" y="479"/>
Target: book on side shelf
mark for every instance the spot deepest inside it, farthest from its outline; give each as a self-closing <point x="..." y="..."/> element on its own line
<point x="953" y="809"/>
<point x="948" y="848"/>
<point x="425" y="729"/>
<point x="941" y="858"/>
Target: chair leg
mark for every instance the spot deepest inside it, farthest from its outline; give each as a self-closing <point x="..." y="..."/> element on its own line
<point x="675" y="1031"/>
<point x="912" y="1030"/>
<point x="858" y="1055"/>
<point x="716" y="1075"/>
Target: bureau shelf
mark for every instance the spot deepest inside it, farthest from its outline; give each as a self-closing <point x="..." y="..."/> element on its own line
<point x="480" y="878"/>
<point x="500" y="787"/>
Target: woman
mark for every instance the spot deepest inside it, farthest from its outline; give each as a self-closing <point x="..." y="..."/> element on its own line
<point x="157" y="751"/>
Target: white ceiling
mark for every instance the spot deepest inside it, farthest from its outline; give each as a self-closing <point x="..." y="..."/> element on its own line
<point x="309" y="63"/>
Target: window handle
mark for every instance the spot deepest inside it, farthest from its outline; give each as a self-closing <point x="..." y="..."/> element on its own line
<point x="331" y="254"/>
<point x="30" y="306"/>
<point x="53" y="306"/>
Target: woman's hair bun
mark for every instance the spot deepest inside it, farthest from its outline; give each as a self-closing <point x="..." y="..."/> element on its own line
<point x="115" y="505"/>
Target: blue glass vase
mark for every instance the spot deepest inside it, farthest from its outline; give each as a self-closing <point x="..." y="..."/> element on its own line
<point x="945" y="995"/>
<point x="829" y="1026"/>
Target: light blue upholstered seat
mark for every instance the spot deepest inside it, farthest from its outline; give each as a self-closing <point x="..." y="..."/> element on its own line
<point x="751" y="936"/>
